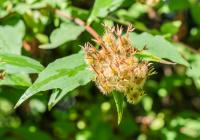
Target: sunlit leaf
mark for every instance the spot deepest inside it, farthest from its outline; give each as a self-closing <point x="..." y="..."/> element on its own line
<point x="170" y="28"/>
<point x="11" y="39"/>
<point x="193" y="71"/>
<point x="66" y="32"/>
<point x="158" y="46"/>
<point x="64" y="74"/>
<point x="102" y="7"/>
<point x="16" y="80"/>
<point x="12" y="63"/>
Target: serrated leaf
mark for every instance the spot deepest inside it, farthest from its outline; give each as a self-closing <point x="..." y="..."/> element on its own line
<point x="11" y="39"/>
<point x="119" y="101"/>
<point x="157" y="46"/>
<point x="103" y="7"/>
<point x="12" y="63"/>
<point x="66" y="32"/>
<point x="64" y="74"/>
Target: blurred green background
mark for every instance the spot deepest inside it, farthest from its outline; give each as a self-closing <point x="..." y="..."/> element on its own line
<point x="169" y="111"/>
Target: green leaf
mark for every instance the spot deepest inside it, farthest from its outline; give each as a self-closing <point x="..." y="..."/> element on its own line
<point x="65" y="33"/>
<point x="22" y="8"/>
<point x="193" y="71"/>
<point x="12" y="63"/>
<point x="149" y="57"/>
<point x="16" y="80"/>
<point x="195" y="13"/>
<point x="157" y="46"/>
<point x="134" y="12"/>
<point x="170" y="28"/>
<point x="64" y="74"/>
<point x="102" y="8"/>
<point x="179" y="5"/>
<point x="10" y="39"/>
<point x="119" y="98"/>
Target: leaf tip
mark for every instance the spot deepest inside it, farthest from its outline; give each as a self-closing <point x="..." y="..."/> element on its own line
<point x="50" y="106"/>
<point x="17" y="105"/>
<point x="21" y="100"/>
<point x="119" y="119"/>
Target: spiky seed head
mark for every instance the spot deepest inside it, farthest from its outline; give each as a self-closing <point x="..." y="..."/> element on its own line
<point x="115" y="64"/>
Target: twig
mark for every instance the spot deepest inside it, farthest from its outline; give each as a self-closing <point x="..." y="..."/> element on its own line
<point x="90" y="30"/>
<point x="183" y="45"/>
<point x="79" y="22"/>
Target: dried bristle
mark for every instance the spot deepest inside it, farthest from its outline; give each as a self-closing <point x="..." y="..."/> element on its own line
<point x="116" y="67"/>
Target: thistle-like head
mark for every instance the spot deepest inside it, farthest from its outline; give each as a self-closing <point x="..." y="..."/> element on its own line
<point x="115" y="64"/>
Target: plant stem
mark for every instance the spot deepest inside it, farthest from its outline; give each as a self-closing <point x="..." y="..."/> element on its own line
<point x="79" y="22"/>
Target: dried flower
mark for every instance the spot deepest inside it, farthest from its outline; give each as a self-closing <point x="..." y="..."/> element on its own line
<point x="115" y="64"/>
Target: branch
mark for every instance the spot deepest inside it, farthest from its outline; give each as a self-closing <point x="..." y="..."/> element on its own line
<point x="80" y="22"/>
<point x="90" y="30"/>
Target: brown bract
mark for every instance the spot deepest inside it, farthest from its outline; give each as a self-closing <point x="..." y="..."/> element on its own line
<point x="115" y="64"/>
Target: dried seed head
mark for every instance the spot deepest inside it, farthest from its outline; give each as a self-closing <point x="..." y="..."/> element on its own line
<point x="115" y="64"/>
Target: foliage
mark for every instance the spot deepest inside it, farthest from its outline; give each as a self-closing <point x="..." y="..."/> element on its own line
<point x="40" y="55"/>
